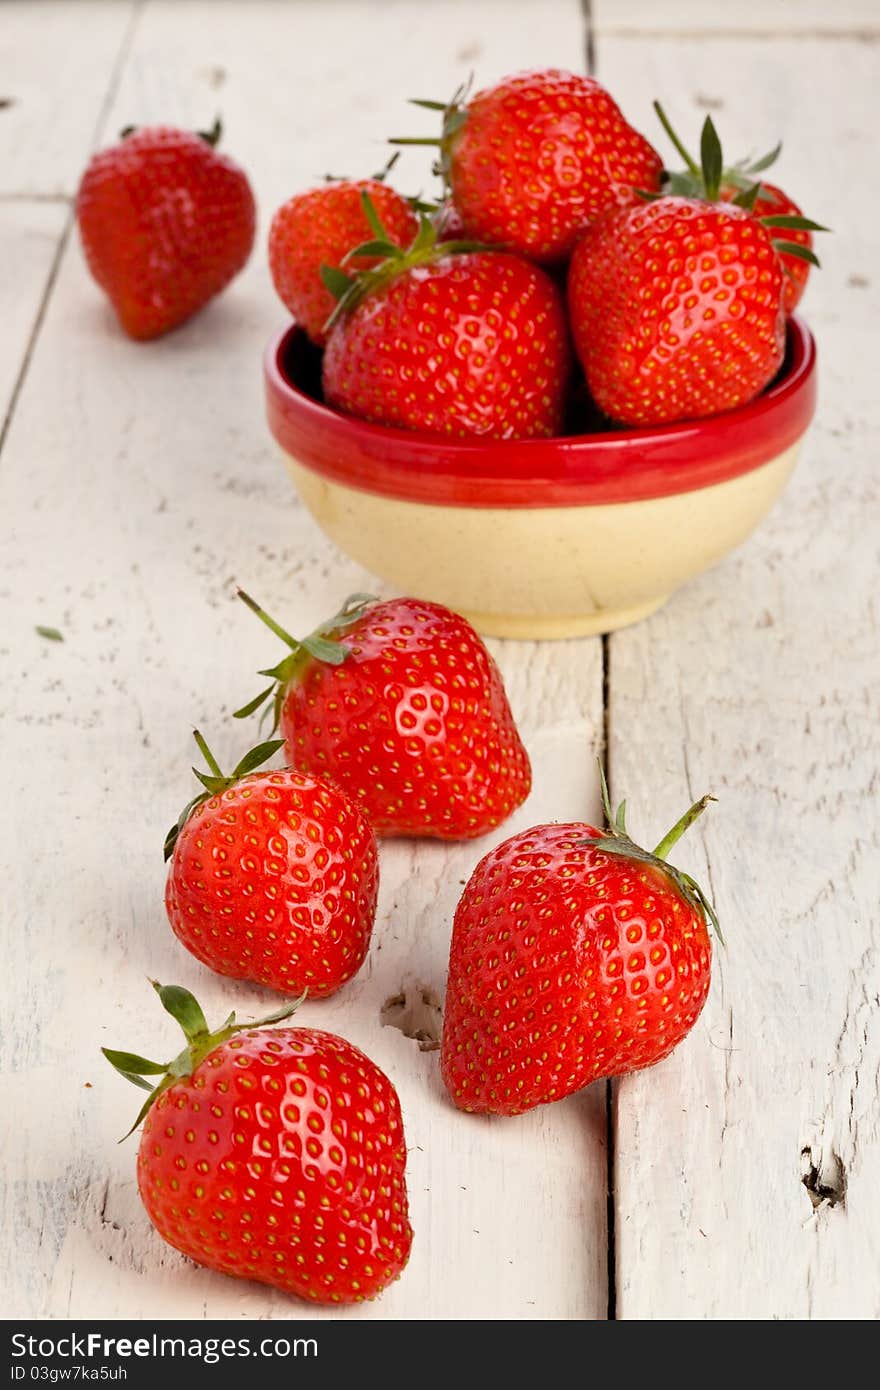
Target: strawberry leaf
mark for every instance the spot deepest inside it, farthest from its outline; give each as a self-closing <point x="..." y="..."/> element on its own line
<point x="200" y="1043"/>
<point x="711" y="159"/>
<point x="793" y="223"/>
<point x="183" y="1007"/>
<point x="759" y="165"/>
<point x="335" y="280"/>
<point x="257" y="756"/>
<point x="801" y="253"/>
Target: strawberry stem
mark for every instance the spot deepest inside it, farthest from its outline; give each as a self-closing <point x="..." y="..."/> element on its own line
<point x="207" y="754"/>
<point x="617" y="841"/>
<point x="688" y="158"/>
<point x="270" y="622"/>
<point x="321" y="645"/>
<point x="674" y="835"/>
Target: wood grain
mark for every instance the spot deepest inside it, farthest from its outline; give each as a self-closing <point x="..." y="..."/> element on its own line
<point x="58" y="63"/>
<point x="29" y="237"/>
<point x="138" y="486"/>
<point x="759" y="683"/>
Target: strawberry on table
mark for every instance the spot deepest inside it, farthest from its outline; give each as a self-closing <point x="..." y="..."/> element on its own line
<point x="318" y="228"/>
<point x="532" y="161"/>
<point x="166" y="222"/>
<point x="676" y="305"/>
<point x="400" y="704"/>
<point x="274" y="1154"/>
<point x="575" y="955"/>
<point x="273" y="877"/>
<point x="448" y="339"/>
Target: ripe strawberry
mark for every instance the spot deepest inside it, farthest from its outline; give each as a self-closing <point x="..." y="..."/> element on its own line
<point x="676" y="305"/>
<point x="447" y="339"/>
<point x="676" y="310"/>
<point x="742" y="182"/>
<point x="273" y="1154"/>
<point x="401" y="705"/>
<point x="273" y="877"/>
<point x="319" y="228"/>
<point x="534" y="160"/>
<point x="771" y="202"/>
<point x="575" y="955"/>
<point x="166" y="222"/>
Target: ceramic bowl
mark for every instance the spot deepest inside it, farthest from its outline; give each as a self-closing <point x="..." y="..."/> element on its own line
<point x="541" y="538"/>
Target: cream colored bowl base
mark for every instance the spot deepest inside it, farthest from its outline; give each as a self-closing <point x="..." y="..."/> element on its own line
<point x="544" y="572"/>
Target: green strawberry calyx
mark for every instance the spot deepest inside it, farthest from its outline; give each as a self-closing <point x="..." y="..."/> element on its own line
<point x="454" y="113"/>
<point x="214" y="781"/>
<point x="705" y="179"/>
<point x="616" y="841"/>
<point x="349" y="290"/>
<point x="321" y="645"/>
<point x="200" y="1041"/>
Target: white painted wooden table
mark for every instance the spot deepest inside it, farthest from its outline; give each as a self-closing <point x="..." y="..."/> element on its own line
<point x="139" y="485"/>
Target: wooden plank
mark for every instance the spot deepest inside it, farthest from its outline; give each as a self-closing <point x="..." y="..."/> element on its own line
<point x="29" y="236"/>
<point x="139" y="484"/>
<point x="643" y="19"/>
<point x="759" y="683"/>
<point x="56" y="60"/>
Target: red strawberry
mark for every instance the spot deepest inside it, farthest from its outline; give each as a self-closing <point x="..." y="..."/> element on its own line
<point x="166" y="222"/>
<point x="449" y="340"/>
<point x="742" y="182"/>
<point x="575" y="955"/>
<point x="318" y="229"/>
<point x="676" y="310"/>
<point x="273" y="877"/>
<point x="534" y="160"/>
<point x="274" y="1154"/>
<point x="772" y="202"/>
<point x="402" y="706"/>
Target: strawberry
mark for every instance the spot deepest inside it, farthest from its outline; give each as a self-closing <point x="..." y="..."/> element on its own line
<point x="534" y="160"/>
<point x="774" y="208"/>
<point x="273" y="877"/>
<point x="771" y="202"/>
<point x="401" y="705"/>
<point x="575" y="955"/>
<point x="319" y="228"/>
<point x="166" y="222"/>
<point x="273" y="1154"/>
<point x="448" y="339"/>
<point x="676" y="305"/>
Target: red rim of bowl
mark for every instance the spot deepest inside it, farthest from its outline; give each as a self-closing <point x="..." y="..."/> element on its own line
<point x="580" y="470"/>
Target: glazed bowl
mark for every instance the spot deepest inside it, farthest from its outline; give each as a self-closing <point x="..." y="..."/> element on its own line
<point x="541" y="538"/>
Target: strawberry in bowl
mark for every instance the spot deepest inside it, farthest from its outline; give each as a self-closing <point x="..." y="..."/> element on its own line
<point x="443" y="440"/>
<point x="677" y="305"/>
<point x="532" y="161"/>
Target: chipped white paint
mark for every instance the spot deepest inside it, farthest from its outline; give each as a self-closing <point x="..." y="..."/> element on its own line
<point x="139" y="483"/>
